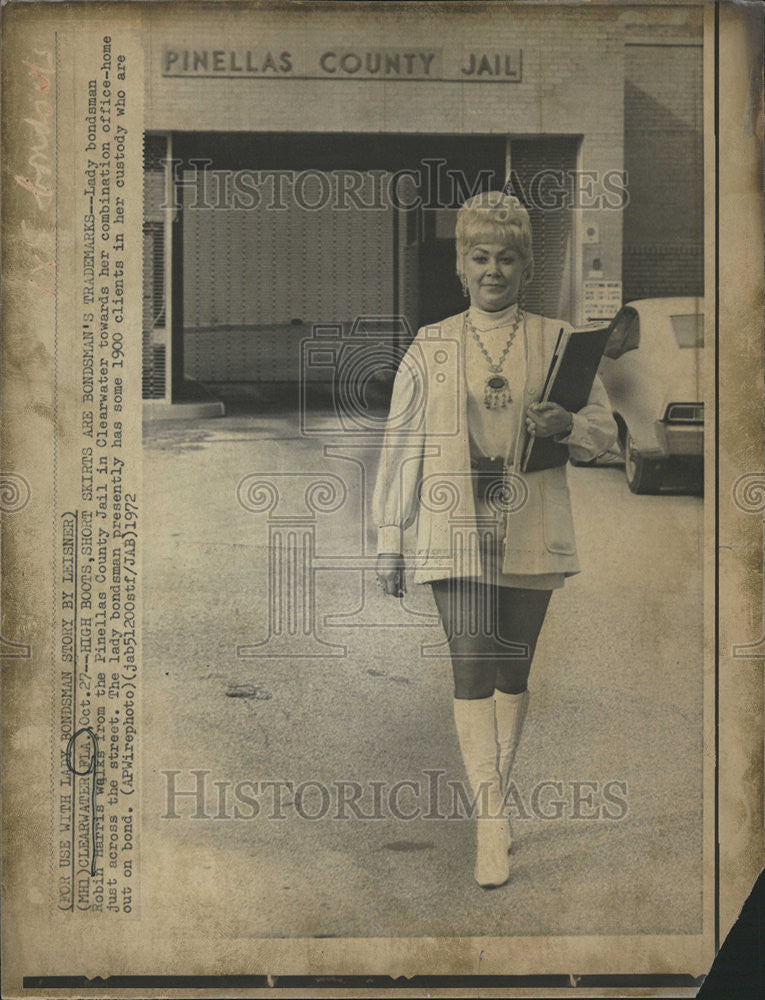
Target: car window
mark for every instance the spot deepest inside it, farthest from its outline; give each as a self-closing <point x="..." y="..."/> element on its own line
<point x="625" y="333"/>
<point x="688" y="329"/>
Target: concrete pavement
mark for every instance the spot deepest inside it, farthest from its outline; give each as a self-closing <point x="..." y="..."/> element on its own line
<point x="616" y="697"/>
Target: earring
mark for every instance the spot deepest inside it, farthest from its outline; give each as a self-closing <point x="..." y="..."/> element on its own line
<point x="465" y="290"/>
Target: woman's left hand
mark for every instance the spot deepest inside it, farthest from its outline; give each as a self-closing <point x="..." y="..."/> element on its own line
<point x="547" y="419"/>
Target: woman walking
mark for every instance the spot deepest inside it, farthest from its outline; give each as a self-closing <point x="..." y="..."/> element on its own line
<point x="493" y="543"/>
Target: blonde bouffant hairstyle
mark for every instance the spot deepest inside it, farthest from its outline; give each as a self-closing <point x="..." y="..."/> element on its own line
<point x="494" y="217"/>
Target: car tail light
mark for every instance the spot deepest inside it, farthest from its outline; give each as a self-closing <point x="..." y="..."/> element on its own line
<point x="685" y="413"/>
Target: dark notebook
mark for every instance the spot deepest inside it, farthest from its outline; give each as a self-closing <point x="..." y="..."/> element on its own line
<point x="569" y="382"/>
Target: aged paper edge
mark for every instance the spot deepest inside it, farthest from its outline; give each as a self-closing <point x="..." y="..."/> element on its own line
<point x="739" y="775"/>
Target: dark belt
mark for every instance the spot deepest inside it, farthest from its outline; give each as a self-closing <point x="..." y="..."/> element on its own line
<point x="488" y="477"/>
<point x="488" y="466"/>
<point x="550" y="456"/>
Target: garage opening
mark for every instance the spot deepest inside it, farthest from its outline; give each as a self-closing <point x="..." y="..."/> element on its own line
<point x="276" y="239"/>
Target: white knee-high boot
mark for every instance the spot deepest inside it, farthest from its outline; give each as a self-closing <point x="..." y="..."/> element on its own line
<point x="510" y="712"/>
<point x="474" y="718"/>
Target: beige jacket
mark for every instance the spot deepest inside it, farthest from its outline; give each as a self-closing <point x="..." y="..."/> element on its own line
<point x="425" y="474"/>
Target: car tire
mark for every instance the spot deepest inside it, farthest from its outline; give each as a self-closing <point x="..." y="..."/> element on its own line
<point x="644" y="475"/>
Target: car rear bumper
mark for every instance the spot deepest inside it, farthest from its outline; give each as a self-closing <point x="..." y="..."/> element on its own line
<point x="679" y="439"/>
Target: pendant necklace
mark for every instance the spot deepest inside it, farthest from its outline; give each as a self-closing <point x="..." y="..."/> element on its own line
<point x="496" y="392"/>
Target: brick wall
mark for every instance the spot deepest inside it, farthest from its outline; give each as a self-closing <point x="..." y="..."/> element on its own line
<point x="619" y="85"/>
<point x="572" y="71"/>
<point x="663" y="156"/>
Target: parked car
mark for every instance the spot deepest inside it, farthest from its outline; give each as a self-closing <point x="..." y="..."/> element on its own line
<point x="652" y="371"/>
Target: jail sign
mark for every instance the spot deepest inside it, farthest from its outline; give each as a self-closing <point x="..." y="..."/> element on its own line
<point x="345" y="63"/>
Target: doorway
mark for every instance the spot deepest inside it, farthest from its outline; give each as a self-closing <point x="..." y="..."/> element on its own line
<point x="277" y="235"/>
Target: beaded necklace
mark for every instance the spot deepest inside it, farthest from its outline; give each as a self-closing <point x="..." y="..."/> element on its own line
<point x="496" y="393"/>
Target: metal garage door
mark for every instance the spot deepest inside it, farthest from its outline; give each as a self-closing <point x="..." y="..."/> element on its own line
<point x="257" y="279"/>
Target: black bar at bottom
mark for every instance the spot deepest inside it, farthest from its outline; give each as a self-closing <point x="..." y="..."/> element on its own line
<point x="327" y="982"/>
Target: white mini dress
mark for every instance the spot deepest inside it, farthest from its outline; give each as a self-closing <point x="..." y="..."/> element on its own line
<point x="493" y="432"/>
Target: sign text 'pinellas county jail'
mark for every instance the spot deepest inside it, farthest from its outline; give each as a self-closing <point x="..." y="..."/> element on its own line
<point x="343" y="63"/>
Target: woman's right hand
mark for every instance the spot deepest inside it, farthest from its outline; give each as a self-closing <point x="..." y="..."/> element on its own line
<point x="390" y="573"/>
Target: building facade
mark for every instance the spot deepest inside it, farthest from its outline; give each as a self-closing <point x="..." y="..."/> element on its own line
<point x="303" y="168"/>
